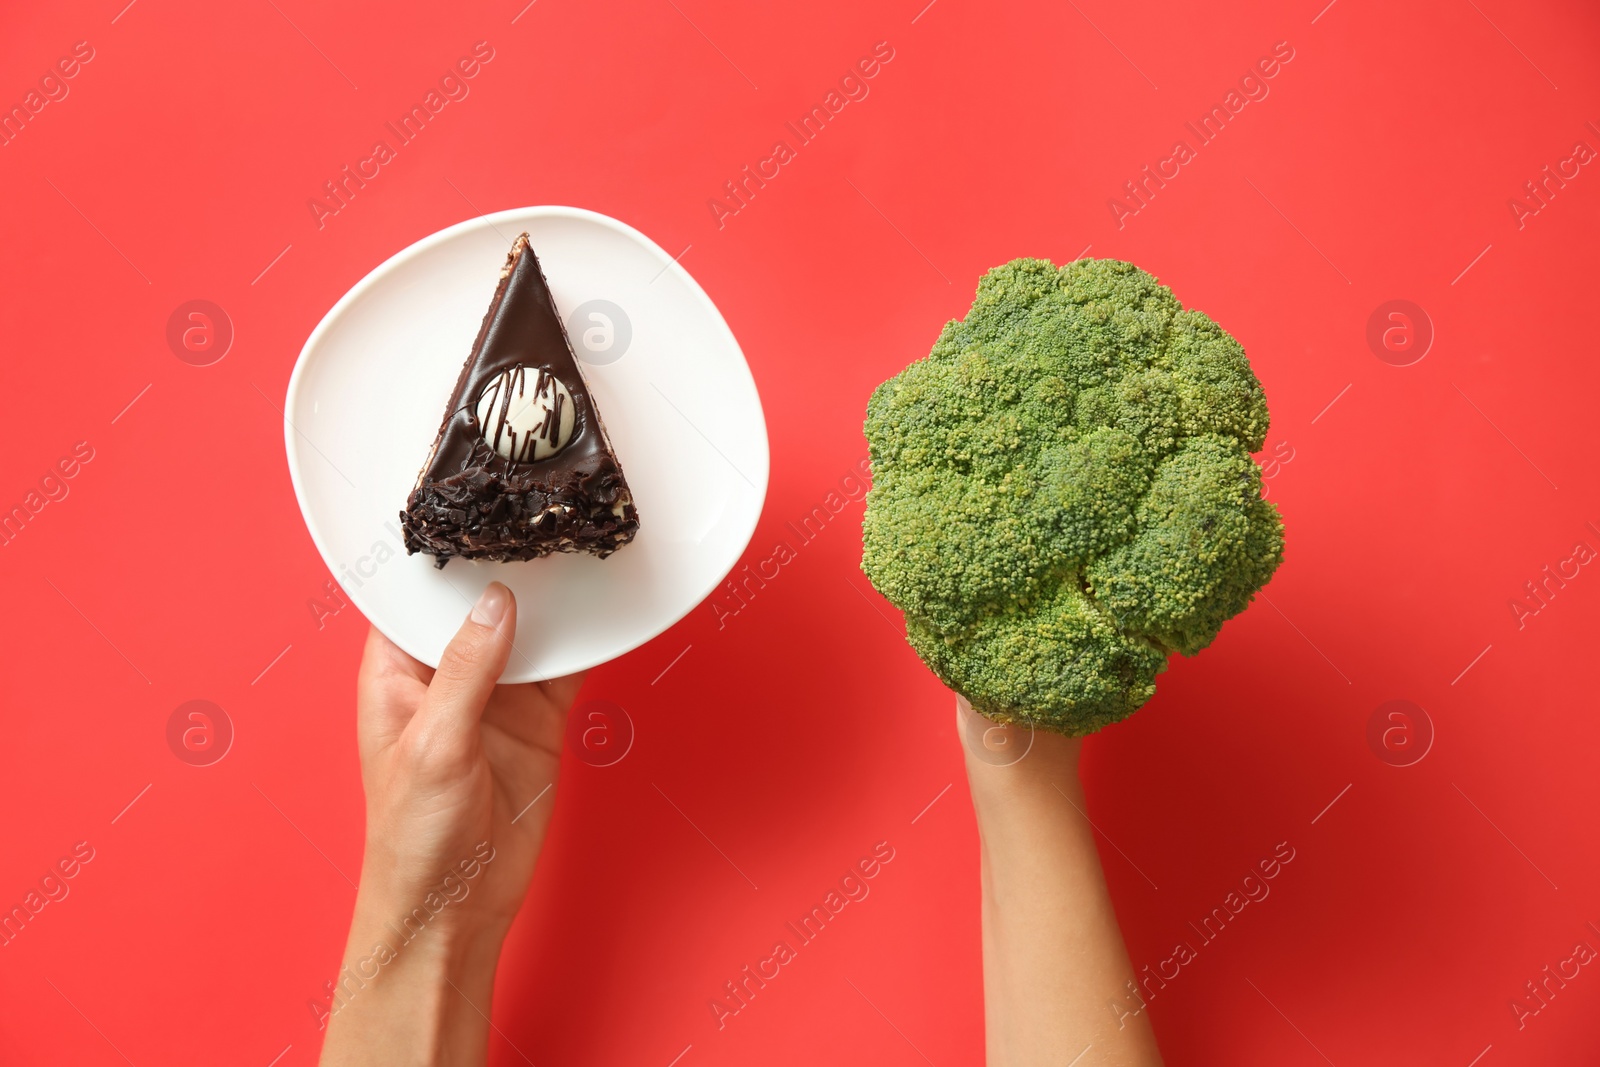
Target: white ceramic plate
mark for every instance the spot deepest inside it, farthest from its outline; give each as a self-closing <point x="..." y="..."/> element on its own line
<point x="370" y="388"/>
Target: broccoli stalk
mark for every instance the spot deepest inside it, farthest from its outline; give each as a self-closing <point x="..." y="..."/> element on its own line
<point x="1063" y="493"/>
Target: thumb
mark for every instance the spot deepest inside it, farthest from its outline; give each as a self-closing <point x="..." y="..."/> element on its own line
<point x="470" y="667"/>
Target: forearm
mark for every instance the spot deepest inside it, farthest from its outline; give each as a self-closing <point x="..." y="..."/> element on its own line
<point x="1054" y="962"/>
<point x="411" y="994"/>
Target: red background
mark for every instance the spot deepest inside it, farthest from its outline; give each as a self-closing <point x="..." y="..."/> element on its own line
<point x="803" y="730"/>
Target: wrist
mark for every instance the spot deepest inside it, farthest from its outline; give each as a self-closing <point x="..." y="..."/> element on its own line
<point x="388" y="953"/>
<point x="447" y="928"/>
<point x="417" y="992"/>
<point x="410" y="892"/>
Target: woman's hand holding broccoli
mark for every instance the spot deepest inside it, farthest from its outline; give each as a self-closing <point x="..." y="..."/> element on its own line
<point x="1053" y="958"/>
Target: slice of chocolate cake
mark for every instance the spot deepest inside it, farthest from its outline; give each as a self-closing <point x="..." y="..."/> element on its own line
<point x="521" y="466"/>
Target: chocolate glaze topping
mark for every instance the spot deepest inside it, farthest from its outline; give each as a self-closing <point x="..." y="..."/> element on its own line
<point x="472" y="502"/>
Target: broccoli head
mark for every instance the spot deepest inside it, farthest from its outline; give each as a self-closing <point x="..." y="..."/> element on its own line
<point x="1063" y="493"/>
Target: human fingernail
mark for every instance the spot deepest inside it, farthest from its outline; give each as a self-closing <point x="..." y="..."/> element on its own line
<point x="492" y="606"/>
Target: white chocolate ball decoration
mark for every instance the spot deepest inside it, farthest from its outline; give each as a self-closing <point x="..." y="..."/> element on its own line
<point x="526" y="415"/>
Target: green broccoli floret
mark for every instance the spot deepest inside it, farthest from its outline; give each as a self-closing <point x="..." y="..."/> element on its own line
<point x="1063" y="493"/>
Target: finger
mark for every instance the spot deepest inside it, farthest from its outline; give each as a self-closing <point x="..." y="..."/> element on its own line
<point x="471" y="665"/>
<point x="389" y="687"/>
<point x="381" y="659"/>
<point x="536" y="713"/>
<point x="563" y="691"/>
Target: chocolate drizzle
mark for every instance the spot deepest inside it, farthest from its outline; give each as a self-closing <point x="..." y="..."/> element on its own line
<point x="498" y="397"/>
<point x="471" y="501"/>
